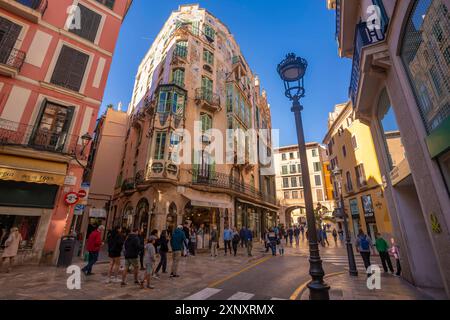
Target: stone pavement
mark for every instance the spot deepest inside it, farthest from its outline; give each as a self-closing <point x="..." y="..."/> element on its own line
<point x="47" y="282"/>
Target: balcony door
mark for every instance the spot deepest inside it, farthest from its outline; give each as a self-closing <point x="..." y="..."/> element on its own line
<point x="51" y="130"/>
<point x="9" y="33"/>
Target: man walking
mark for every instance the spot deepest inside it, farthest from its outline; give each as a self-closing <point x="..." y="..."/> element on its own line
<point x="214" y="241"/>
<point x="93" y="246"/>
<point x="177" y="243"/>
<point x="242" y="234"/>
<point x="302" y="230"/>
<point x="383" y="250"/>
<point x="291" y="235"/>
<point x="297" y="235"/>
<point x="132" y="249"/>
<point x="249" y="241"/>
<point x="364" y="245"/>
<point x="227" y="237"/>
<point x="187" y="234"/>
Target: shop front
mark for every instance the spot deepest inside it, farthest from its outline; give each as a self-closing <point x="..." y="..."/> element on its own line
<point x="254" y="217"/>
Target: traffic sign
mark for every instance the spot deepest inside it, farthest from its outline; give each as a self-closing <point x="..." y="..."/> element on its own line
<point x="71" y="198"/>
<point x="82" y="194"/>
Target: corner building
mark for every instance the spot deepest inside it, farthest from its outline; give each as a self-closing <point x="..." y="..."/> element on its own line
<point x="194" y="71"/>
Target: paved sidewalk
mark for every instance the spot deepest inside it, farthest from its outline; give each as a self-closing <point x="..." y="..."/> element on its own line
<point x="345" y="287"/>
<point x="47" y="282"/>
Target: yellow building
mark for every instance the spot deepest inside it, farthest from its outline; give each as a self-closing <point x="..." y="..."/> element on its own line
<point x="350" y="147"/>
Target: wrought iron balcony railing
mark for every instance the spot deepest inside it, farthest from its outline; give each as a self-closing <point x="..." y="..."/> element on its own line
<point x="19" y="134"/>
<point x="364" y="36"/>
<point x="206" y="95"/>
<point x="221" y="180"/>
<point x="12" y="57"/>
<point x="38" y="5"/>
<point x="129" y="184"/>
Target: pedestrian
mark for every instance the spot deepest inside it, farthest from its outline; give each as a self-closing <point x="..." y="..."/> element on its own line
<point x="285" y="236"/>
<point x="383" y="250"/>
<point x="93" y="246"/>
<point x="115" y="246"/>
<point x="186" y="241"/>
<point x="281" y="245"/>
<point x="395" y="252"/>
<point x="227" y="238"/>
<point x="266" y="240"/>
<point x="242" y="234"/>
<point x="201" y="236"/>
<point x="341" y="235"/>
<point x="249" y="241"/>
<point x="291" y="235"/>
<point x="334" y="233"/>
<point x="177" y="242"/>
<point x="364" y="246"/>
<point x="273" y="239"/>
<point x="141" y="237"/>
<point x="12" y="245"/>
<point x="132" y="247"/>
<point x="149" y="261"/>
<point x="214" y="241"/>
<point x="192" y="241"/>
<point x="235" y="241"/>
<point x="297" y="236"/>
<point x="325" y="236"/>
<point x="320" y="236"/>
<point x="162" y="248"/>
<point x="302" y="230"/>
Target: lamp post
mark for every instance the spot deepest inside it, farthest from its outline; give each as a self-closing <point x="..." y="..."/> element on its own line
<point x="353" y="271"/>
<point x="85" y="139"/>
<point x="292" y="71"/>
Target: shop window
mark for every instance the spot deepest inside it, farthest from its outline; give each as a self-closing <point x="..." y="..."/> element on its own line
<point x="425" y="58"/>
<point x="27" y="226"/>
<point x="29" y="195"/>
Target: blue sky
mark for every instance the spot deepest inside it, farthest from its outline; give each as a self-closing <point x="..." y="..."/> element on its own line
<point x="265" y="31"/>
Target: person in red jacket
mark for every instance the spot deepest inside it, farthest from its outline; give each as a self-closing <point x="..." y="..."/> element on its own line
<point x="93" y="246"/>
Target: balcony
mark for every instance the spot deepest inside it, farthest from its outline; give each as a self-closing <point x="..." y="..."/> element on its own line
<point x="128" y="185"/>
<point x="224" y="181"/>
<point x="19" y="134"/>
<point x="180" y="55"/>
<point x="32" y="10"/>
<point x="11" y="61"/>
<point x="207" y="99"/>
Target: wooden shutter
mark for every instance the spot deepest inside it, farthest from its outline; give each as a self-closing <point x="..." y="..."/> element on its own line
<point x="9" y="33"/>
<point x="90" y="22"/>
<point x="70" y="68"/>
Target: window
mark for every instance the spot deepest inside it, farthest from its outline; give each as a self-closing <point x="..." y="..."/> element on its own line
<point x="360" y="176"/>
<point x="27" y="226"/>
<point x="354" y="142"/>
<point x="52" y="128"/>
<point x="287" y="195"/>
<point x="206" y="122"/>
<point x="314" y="152"/>
<point x="181" y="49"/>
<point x="293" y="168"/>
<point x="9" y="32"/>
<point x="344" y="151"/>
<point x="208" y="57"/>
<point x="285" y="182"/>
<point x="207" y="88"/>
<point x="348" y="176"/>
<point x="294" y="194"/>
<point x="349" y="121"/>
<point x="209" y="32"/>
<point x="291" y="156"/>
<point x="160" y="146"/>
<point x="283" y="156"/>
<point x="317" y="167"/>
<point x="300" y="182"/>
<point x="319" y="194"/>
<point x="171" y="101"/>
<point x="284" y="170"/>
<point x="298" y="155"/>
<point x="301" y="194"/>
<point x="70" y="68"/>
<point x="90" y="22"/>
<point x="175" y="140"/>
<point x="178" y="77"/>
<point x="424" y="52"/>
<point x="299" y="167"/>
<point x="294" y="182"/>
<point x="318" y="180"/>
<point x="107" y="3"/>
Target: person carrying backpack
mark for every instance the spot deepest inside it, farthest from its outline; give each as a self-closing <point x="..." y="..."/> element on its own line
<point x="364" y="246"/>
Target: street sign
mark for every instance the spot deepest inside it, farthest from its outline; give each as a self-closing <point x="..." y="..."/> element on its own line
<point x="70" y="180"/>
<point x="71" y="198"/>
<point x="82" y="194"/>
<point x="79" y="209"/>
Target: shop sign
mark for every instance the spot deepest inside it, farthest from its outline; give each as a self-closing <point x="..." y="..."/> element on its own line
<point x="29" y="176"/>
<point x="354" y="208"/>
<point x="367" y="206"/>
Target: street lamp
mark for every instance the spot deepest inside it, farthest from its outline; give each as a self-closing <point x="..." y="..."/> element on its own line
<point x="85" y="140"/>
<point x="292" y="71"/>
<point x="337" y="174"/>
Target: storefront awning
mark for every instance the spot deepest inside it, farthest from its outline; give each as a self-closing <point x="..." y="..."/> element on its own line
<point x="21" y="169"/>
<point x="257" y="205"/>
<point x="200" y="200"/>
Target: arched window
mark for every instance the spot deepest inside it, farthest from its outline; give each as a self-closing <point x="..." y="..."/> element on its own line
<point x="142" y="215"/>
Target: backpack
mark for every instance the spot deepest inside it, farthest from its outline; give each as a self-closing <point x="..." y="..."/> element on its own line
<point x="364" y="242"/>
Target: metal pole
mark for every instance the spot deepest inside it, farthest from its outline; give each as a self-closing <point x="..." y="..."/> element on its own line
<point x="353" y="271"/>
<point x="318" y="289"/>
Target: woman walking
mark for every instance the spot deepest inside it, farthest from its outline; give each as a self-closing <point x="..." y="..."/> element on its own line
<point x="395" y="252"/>
<point x="235" y="241"/>
<point x="11" y="247"/>
<point x="163" y="249"/>
<point x="192" y="241"/>
<point x="115" y="246"/>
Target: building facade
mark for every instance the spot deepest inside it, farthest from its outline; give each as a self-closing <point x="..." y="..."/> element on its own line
<point x="55" y="57"/>
<point x="195" y="79"/>
<point x="351" y="149"/>
<point x="400" y="80"/>
<point x="289" y="183"/>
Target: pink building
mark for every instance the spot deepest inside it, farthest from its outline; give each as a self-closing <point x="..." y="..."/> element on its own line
<point x="55" y="57"/>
